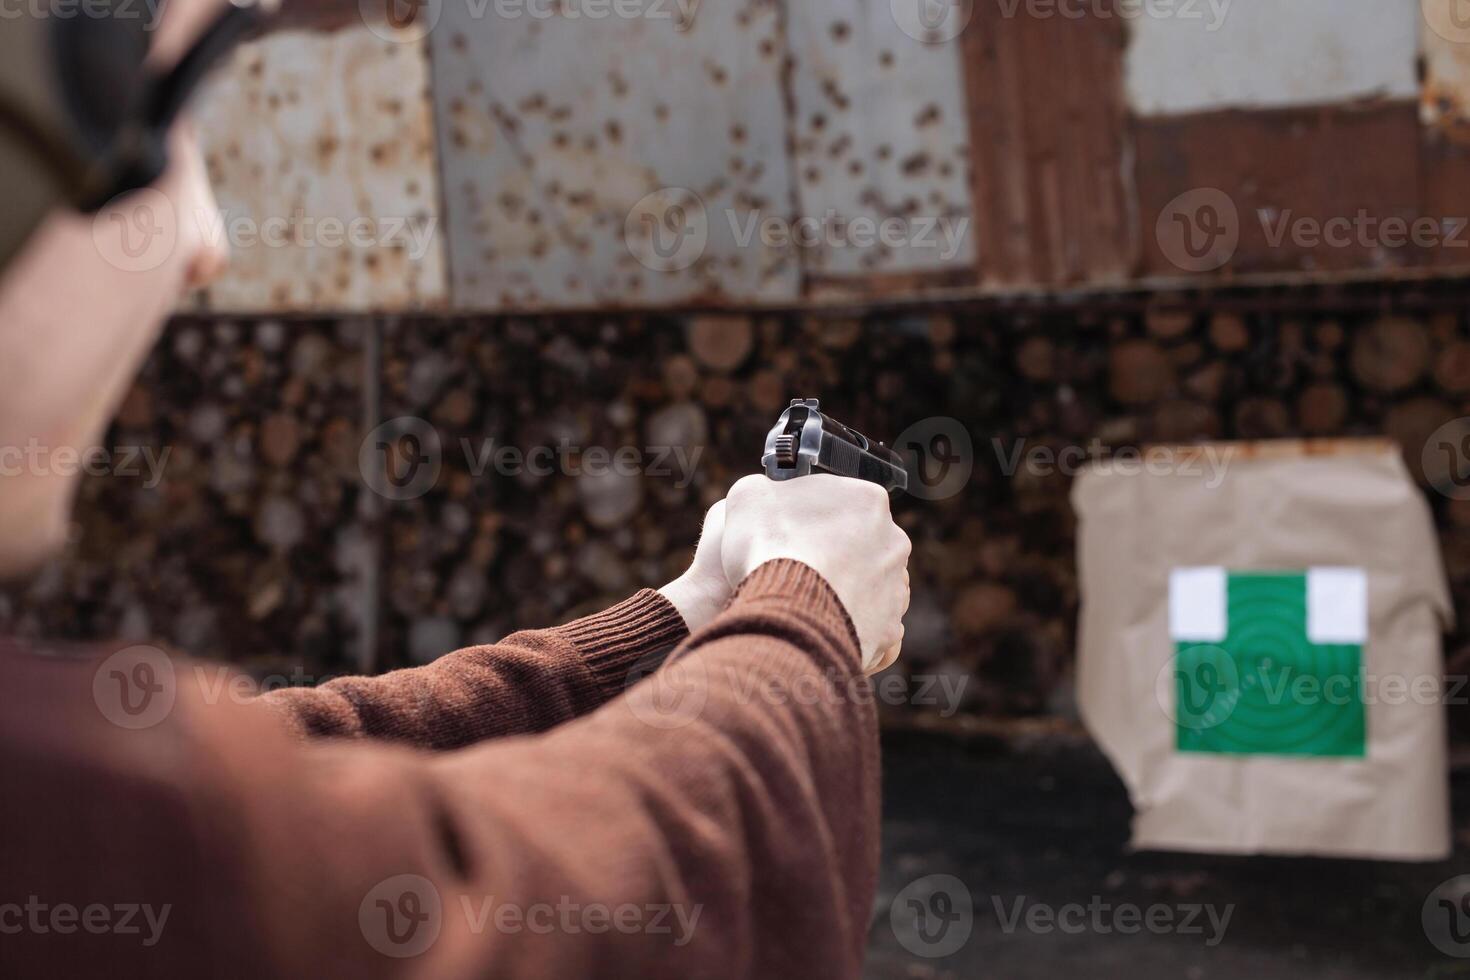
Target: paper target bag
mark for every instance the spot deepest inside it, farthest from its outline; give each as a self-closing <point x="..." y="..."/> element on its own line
<point x="1259" y="648"/>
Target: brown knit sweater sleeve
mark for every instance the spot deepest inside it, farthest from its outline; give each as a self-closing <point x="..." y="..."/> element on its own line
<point x="529" y="682"/>
<point x="720" y="820"/>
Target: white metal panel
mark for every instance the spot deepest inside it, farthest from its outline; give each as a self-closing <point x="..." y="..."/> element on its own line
<point x="612" y="160"/>
<point x="1445" y="101"/>
<point x="320" y="149"/>
<point x="1201" y="55"/>
<point x="882" y="136"/>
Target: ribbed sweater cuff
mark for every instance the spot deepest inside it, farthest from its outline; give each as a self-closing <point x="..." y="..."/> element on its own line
<point x="799" y="587"/>
<point x="613" y="641"/>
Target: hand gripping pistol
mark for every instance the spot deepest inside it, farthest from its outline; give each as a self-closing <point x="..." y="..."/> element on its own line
<point x="805" y="441"/>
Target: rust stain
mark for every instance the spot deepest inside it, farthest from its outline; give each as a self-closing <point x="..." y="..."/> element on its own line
<point x="320" y="148"/>
<point x="1444" y="95"/>
<point x="579" y="158"/>
<point x="880" y="138"/>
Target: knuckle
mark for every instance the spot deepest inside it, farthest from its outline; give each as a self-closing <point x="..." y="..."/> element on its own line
<point x="746" y="488"/>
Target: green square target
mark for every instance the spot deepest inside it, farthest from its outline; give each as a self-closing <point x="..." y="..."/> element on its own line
<point x="1269" y="663"/>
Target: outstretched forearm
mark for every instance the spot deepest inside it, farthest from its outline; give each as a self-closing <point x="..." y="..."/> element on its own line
<point x="719" y="820"/>
<point x="529" y="682"/>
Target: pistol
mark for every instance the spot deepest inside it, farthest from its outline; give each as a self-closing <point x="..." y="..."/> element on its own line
<point x="805" y="441"/>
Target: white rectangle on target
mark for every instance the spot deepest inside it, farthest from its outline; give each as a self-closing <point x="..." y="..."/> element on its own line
<point x="1197" y="605"/>
<point x="1337" y="605"/>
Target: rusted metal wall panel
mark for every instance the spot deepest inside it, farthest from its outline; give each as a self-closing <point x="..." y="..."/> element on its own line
<point x="1053" y="180"/>
<point x="320" y="148"/>
<point x="1294" y="190"/>
<point x="1284" y="138"/>
<point x="647" y="157"/>
<point x="613" y="161"/>
<point x="1219" y="54"/>
<point x="882" y="141"/>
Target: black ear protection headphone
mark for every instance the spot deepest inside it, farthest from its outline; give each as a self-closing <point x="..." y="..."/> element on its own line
<point x="82" y="116"/>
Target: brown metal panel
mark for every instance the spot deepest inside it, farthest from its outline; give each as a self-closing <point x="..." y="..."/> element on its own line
<point x="1254" y="183"/>
<point x="1445" y="159"/>
<point x="1052" y="186"/>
